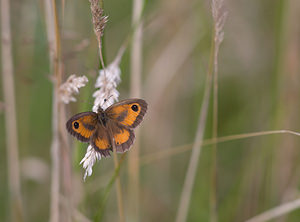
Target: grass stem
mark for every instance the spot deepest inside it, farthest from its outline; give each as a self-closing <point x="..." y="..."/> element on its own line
<point x="276" y="211"/>
<point x="135" y="88"/>
<point x="55" y="68"/>
<point x="196" y="150"/>
<point x="108" y="187"/>
<point x="10" y="116"/>
<point x="147" y="159"/>
<point x="118" y="185"/>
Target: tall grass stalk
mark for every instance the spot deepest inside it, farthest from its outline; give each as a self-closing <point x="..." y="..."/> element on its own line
<point x="99" y="21"/>
<point x="16" y="208"/>
<point x="55" y="68"/>
<point x="217" y="38"/>
<point x="118" y="185"/>
<point x="66" y="161"/>
<point x="219" y="18"/>
<point x="108" y="187"/>
<point x="185" y="197"/>
<point x="135" y="92"/>
<point x="287" y="69"/>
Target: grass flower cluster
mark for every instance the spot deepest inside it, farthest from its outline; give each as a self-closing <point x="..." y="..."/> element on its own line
<point x="71" y="87"/>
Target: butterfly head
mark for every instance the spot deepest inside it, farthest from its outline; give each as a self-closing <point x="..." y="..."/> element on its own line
<point x="102" y="118"/>
<point x="100" y="110"/>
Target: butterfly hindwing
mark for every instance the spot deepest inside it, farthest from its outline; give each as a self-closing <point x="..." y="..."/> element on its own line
<point x="82" y="125"/>
<point x="122" y="136"/>
<point x="101" y="140"/>
<point x="129" y="112"/>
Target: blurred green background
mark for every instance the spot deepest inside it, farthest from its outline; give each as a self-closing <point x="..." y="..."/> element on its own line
<point x="258" y="91"/>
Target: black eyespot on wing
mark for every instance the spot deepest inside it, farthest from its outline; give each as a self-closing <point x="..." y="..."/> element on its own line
<point x="135" y="108"/>
<point x="76" y="125"/>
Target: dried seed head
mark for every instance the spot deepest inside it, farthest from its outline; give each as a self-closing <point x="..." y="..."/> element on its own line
<point x="71" y="87"/>
<point x="99" y="19"/>
<point x="219" y="16"/>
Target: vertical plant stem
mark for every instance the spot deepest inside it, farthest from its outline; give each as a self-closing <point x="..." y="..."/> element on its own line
<point x="196" y="150"/>
<point x="219" y="18"/>
<point x="101" y="3"/>
<point x="16" y="208"/>
<point x="65" y="144"/>
<point x="118" y="185"/>
<point x="214" y="173"/>
<point x="99" y="21"/>
<point x="55" y="67"/>
<point x="108" y="188"/>
<point x="135" y="86"/>
<point x="55" y="146"/>
<point x="66" y="167"/>
<point x="285" y="166"/>
<point x="213" y="186"/>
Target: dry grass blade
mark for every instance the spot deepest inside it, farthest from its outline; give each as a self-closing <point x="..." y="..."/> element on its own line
<point x="147" y="159"/>
<point x="196" y="151"/>
<point x="10" y="115"/>
<point x="276" y="211"/>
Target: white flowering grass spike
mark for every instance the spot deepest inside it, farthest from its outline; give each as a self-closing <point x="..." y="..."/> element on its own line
<point x="105" y="96"/>
<point x="71" y="87"/>
<point x="89" y="160"/>
<point x="107" y="83"/>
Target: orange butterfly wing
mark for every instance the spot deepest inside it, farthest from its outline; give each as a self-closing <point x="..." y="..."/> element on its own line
<point x="122" y="136"/>
<point x="82" y="125"/>
<point x="101" y="140"/>
<point x="129" y="112"/>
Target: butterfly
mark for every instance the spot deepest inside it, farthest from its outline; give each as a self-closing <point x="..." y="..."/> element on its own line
<point x="112" y="125"/>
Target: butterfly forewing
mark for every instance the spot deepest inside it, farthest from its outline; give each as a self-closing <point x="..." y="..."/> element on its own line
<point x="129" y="113"/>
<point x="82" y="125"/>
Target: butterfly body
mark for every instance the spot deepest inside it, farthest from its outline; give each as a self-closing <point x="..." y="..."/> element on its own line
<point x="111" y="126"/>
